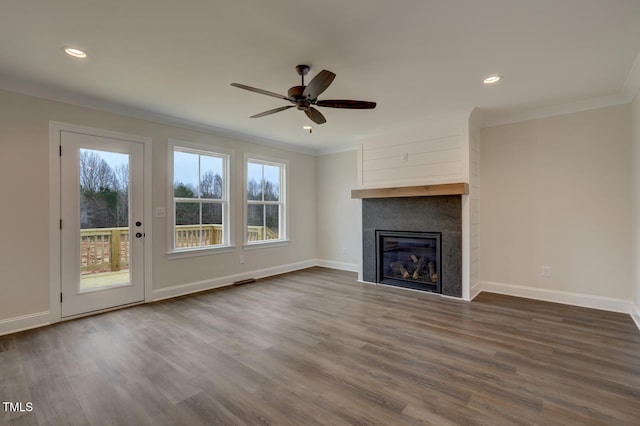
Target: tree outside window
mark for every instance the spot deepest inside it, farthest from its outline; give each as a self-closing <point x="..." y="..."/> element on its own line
<point x="200" y="198"/>
<point x="265" y="204"/>
<point x="104" y="189"/>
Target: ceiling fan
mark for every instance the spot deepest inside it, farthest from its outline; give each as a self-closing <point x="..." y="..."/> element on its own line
<point x="305" y="97"/>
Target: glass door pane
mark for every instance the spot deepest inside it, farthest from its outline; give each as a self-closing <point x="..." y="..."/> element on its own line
<point x="104" y="219"/>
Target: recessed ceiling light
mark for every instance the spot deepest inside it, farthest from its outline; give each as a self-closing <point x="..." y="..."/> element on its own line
<point x="75" y="52"/>
<point x="492" y="79"/>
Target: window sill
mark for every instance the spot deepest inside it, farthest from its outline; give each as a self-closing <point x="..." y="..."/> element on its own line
<point x="184" y="254"/>
<point x="265" y="244"/>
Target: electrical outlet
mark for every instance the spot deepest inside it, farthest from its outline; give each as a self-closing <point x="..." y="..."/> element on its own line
<point x="545" y="271"/>
<point x="242" y="258"/>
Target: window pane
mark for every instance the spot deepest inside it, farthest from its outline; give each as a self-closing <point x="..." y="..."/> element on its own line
<point x="271" y="183"/>
<point x="200" y="198"/>
<point x="187" y="225"/>
<point x="272" y="219"/>
<point x="255" y="220"/>
<point x="210" y="177"/>
<point x="264" y="210"/>
<point x="188" y="213"/>
<point x="104" y="186"/>
<point x="211" y="223"/>
<point x="255" y="215"/>
<point x="254" y="181"/>
<point x="185" y="174"/>
<point x="104" y="219"/>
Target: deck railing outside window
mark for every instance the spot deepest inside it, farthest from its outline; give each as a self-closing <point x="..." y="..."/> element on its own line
<point x="107" y="249"/>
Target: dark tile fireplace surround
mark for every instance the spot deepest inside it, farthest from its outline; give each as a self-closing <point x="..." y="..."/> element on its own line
<point x="440" y="215"/>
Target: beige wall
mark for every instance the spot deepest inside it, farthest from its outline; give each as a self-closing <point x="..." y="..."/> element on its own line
<point x="636" y="199"/>
<point x="24" y="212"/>
<point x="556" y="192"/>
<point x="339" y="218"/>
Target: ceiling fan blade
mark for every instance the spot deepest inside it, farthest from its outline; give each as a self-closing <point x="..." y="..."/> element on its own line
<point x="343" y="103"/>
<point x="318" y="84"/>
<point x="261" y="91"/>
<point x="315" y="116"/>
<point x="272" y="111"/>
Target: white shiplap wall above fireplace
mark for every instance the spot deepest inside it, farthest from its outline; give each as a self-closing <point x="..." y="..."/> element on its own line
<point x="444" y="150"/>
<point x="433" y="161"/>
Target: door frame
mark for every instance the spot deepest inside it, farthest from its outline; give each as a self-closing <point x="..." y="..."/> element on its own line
<point x="55" y="270"/>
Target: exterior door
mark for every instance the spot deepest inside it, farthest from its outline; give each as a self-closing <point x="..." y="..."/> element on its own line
<point x="102" y="234"/>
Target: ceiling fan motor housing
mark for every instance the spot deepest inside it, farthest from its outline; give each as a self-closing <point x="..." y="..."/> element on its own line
<point x="302" y="102"/>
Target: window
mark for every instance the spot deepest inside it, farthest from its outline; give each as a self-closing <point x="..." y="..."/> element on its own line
<point x="265" y="201"/>
<point x="200" y="194"/>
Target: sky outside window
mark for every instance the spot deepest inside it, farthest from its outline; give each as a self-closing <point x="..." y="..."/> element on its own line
<point x="185" y="167"/>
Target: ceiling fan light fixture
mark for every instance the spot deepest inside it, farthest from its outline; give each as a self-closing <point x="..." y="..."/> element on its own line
<point x="305" y="97"/>
<point x="75" y="52"/>
<point x="492" y="79"/>
<point x="307" y="127"/>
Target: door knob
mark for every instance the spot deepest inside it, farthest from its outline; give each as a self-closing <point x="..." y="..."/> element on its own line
<point x="138" y="234"/>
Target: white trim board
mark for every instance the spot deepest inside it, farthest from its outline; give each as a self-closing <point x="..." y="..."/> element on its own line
<point x="635" y="314"/>
<point x="25" y="322"/>
<point x="556" y="296"/>
<point x="476" y="289"/>
<point x="29" y="88"/>
<point x="333" y="264"/>
<point x="556" y="110"/>
<point x="55" y="130"/>
<point x="41" y="319"/>
<point x="194" y="287"/>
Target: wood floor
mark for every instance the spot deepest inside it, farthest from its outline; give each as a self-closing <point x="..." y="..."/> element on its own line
<point x="315" y="347"/>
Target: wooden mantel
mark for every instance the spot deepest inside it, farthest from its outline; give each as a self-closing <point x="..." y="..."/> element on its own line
<point x="461" y="188"/>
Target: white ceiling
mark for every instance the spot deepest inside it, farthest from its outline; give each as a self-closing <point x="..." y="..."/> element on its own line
<point x="418" y="59"/>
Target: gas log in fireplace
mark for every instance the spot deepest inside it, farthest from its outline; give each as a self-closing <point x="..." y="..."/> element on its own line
<point x="409" y="259"/>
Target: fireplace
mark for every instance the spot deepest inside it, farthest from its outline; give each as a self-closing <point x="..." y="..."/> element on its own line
<point x="409" y="259"/>
<point x="439" y="215"/>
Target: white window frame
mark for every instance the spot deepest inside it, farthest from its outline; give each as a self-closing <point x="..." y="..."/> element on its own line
<point x="283" y="211"/>
<point x="227" y="234"/>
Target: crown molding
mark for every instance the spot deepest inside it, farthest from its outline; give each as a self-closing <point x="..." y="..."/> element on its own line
<point x="551" y="111"/>
<point x="337" y="149"/>
<point x="629" y="91"/>
<point x="626" y="95"/>
<point x="22" y="87"/>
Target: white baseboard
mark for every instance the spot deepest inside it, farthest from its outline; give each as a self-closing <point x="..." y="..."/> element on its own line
<point x="194" y="287"/>
<point x="332" y="264"/>
<point x="635" y="314"/>
<point x="40" y="319"/>
<point x="556" y="296"/>
<point x="476" y="289"/>
<point x="24" y="322"/>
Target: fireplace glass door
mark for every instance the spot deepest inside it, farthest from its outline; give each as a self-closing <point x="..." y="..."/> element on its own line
<point x="409" y="259"/>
